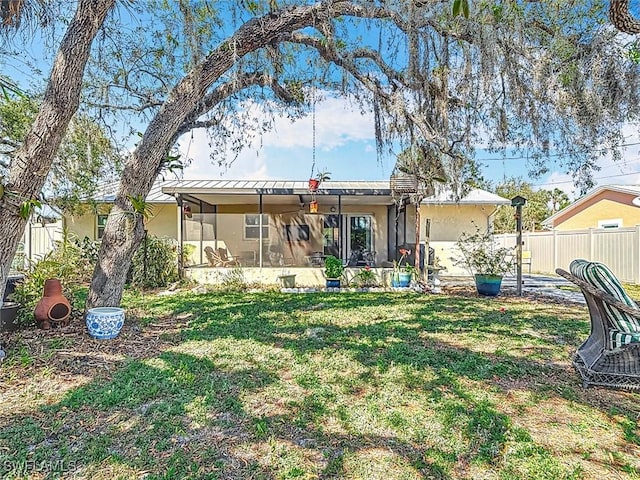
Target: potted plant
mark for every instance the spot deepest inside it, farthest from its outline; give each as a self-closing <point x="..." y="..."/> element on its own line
<point x="315" y="182"/>
<point x="9" y="309"/>
<point x="487" y="262"/>
<point x="333" y="270"/>
<point x="402" y="271"/>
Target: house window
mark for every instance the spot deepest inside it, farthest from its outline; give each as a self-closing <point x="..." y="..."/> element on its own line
<point x="296" y="233"/>
<point x="102" y="222"/>
<point x="611" y="223"/>
<point x="252" y="226"/>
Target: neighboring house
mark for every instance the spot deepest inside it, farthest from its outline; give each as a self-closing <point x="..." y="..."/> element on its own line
<point x="268" y="224"/>
<point x="608" y="206"/>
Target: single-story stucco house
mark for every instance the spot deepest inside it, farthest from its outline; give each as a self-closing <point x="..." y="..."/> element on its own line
<point x="607" y="206"/>
<point x="267" y="226"/>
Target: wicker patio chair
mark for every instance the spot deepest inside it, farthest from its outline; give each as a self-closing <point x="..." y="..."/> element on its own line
<point x="610" y="356"/>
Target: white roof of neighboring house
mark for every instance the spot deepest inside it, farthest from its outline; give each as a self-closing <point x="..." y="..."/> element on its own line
<point x="163" y="191"/>
<point x="474" y="197"/>
<point x="630" y="189"/>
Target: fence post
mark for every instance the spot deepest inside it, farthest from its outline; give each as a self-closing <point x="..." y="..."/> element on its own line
<point x="555" y="250"/>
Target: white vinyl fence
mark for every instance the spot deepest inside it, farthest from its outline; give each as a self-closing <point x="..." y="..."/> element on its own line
<point x="38" y="240"/>
<point x="618" y="248"/>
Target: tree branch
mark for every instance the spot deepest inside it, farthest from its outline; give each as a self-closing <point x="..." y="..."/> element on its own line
<point x="392" y="97"/>
<point x="226" y="90"/>
<point x="622" y="18"/>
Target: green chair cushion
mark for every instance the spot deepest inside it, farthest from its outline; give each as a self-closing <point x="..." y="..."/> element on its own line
<point x="619" y="339"/>
<point x="599" y="275"/>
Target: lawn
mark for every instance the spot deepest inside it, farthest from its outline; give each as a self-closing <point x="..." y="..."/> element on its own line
<point x="277" y="386"/>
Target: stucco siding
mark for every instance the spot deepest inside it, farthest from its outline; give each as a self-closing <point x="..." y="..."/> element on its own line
<point x="162" y="222"/>
<point x="602" y="209"/>
<point x="449" y="221"/>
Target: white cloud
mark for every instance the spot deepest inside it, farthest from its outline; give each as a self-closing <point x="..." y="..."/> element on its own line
<point x="250" y="164"/>
<point x="623" y="172"/>
<point x="337" y="123"/>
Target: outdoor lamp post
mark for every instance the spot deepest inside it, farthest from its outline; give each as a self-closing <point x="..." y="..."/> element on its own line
<point x="519" y="202"/>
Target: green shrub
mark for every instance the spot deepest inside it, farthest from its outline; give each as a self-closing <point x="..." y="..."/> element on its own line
<point x="155" y="263"/>
<point x="366" y="277"/>
<point x="333" y="267"/>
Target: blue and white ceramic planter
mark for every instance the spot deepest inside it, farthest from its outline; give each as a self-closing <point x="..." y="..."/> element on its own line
<point x="104" y="323"/>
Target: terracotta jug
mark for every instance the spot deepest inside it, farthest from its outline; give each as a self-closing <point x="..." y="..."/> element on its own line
<point x="53" y="307"/>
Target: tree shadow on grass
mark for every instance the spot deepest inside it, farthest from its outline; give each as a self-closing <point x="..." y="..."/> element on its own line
<point x="187" y="409"/>
<point x="175" y="415"/>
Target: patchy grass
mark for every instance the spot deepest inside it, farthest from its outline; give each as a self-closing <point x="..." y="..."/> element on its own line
<point x="350" y="386"/>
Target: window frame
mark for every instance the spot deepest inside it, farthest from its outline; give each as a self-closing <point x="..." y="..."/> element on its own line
<point x="610" y="223"/>
<point x="246" y="226"/>
<point x="100" y="228"/>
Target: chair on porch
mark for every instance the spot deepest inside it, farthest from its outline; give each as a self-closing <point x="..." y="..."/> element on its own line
<point x="611" y="354"/>
<point x="362" y="258"/>
<point x="219" y="258"/>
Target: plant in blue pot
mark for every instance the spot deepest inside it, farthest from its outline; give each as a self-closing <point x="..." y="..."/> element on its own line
<point x="333" y="270"/>
<point x="484" y="259"/>
<point x="402" y="271"/>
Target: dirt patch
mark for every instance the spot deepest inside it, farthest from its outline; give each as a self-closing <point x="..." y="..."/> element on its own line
<point x="42" y="365"/>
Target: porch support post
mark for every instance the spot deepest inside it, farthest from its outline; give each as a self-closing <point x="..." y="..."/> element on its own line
<point x="260" y="223"/>
<point x="180" y="236"/>
<point x="340" y="227"/>
<point x="201" y="232"/>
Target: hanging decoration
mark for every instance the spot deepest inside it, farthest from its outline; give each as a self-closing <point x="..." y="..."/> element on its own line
<point x="186" y="209"/>
<point x="313" y="206"/>
<point x="314" y="182"/>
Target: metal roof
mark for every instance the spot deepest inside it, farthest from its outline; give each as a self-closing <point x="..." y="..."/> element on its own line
<point x="277" y="187"/>
<point x="107" y="192"/>
<point x="165" y="191"/>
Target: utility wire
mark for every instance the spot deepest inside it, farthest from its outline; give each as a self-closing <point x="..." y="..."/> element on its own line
<point x="595" y="178"/>
<point x="526" y="157"/>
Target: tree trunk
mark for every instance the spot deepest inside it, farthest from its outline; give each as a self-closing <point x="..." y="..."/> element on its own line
<point x="416" y="263"/>
<point x="121" y="237"/>
<point x="32" y="161"/>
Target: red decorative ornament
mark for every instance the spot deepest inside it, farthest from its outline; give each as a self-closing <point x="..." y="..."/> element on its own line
<point x="187" y="211"/>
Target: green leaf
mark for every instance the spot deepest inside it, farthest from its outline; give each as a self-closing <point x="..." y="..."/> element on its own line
<point x="456" y="8"/>
<point x="27" y="207"/>
<point x="461" y="7"/>
<point x="140" y="206"/>
<point x="465" y="8"/>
